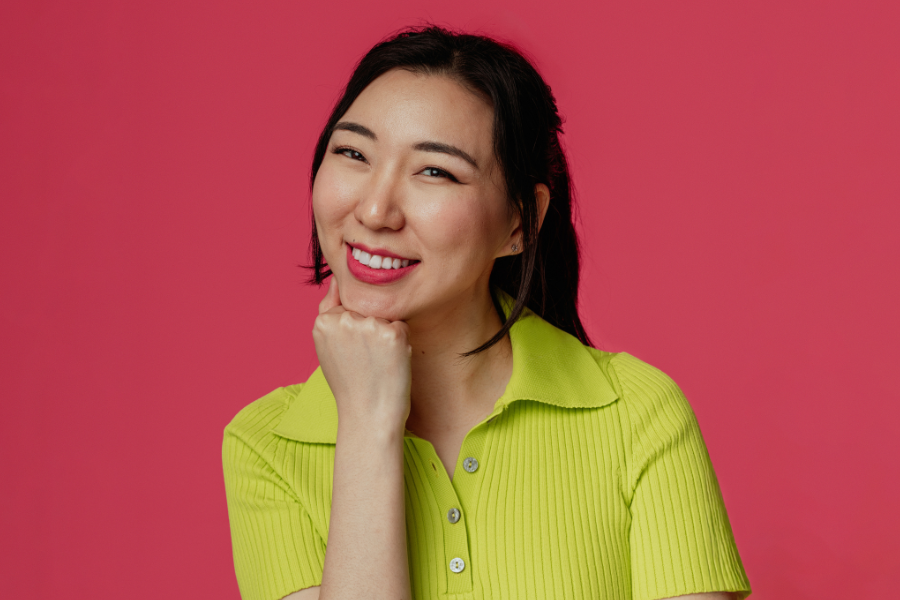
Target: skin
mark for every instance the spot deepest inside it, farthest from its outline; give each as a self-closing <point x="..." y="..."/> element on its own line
<point x="390" y="353"/>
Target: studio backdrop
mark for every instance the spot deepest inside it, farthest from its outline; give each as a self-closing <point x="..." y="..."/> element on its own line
<point x="736" y="170"/>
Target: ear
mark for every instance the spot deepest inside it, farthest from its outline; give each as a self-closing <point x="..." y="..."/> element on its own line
<point x="542" y="196"/>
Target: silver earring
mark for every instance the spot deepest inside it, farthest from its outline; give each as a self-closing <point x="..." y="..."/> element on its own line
<point x="515" y="247"/>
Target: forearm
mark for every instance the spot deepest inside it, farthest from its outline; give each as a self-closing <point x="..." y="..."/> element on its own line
<point x="366" y="556"/>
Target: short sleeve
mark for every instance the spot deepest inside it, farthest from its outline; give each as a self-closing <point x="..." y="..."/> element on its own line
<point x="681" y="540"/>
<point x="277" y="550"/>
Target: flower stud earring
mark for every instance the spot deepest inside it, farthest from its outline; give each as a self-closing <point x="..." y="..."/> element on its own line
<point x="515" y="247"/>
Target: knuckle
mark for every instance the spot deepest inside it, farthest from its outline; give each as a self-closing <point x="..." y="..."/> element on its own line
<point x="392" y="335"/>
<point x="323" y="322"/>
<point x="346" y="321"/>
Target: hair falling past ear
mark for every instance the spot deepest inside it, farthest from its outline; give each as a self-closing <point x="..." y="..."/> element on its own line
<point x="542" y="273"/>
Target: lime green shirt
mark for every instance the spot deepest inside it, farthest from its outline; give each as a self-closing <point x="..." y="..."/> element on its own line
<point x="590" y="479"/>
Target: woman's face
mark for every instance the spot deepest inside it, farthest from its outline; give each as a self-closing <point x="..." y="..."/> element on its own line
<point x="409" y="174"/>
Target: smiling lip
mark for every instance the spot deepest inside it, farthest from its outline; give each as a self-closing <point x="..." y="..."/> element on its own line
<point x="376" y="276"/>
<point x="378" y="251"/>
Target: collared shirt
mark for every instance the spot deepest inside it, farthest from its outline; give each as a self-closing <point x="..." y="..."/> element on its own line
<point x="590" y="479"/>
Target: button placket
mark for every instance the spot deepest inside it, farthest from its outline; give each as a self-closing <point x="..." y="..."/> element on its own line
<point x="456" y="545"/>
<point x="466" y="483"/>
<point x="457" y="572"/>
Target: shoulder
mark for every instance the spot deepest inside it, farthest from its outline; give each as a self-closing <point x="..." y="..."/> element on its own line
<point x="260" y="417"/>
<point x="646" y="391"/>
<point x="629" y="374"/>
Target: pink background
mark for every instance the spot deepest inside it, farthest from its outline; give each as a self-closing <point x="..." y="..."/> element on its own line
<point x="737" y="169"/>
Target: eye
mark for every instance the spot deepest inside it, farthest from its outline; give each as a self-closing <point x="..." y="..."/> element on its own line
<point x="350" y="153"/>
<point x="435" y="172"/>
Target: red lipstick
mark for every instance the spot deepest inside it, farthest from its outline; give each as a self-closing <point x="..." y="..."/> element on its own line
<point x="376" y="276"/>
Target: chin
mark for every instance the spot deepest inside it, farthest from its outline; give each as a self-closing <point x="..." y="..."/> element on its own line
<point x="382" y="306"/>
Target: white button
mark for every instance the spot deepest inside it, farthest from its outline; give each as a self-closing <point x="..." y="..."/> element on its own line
<point x="453" y="515"/>
<point x="470" y="465"/>
<point x="457" y="565"/>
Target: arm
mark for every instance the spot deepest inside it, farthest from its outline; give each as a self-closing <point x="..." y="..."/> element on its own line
<point x="366" y="554"/>
<point x="707" y="596"/>
<point x="367" y="364"/>
<point x="307" y="594"/>
<point x="276" y="545"/>
<point x="680" y="537"/>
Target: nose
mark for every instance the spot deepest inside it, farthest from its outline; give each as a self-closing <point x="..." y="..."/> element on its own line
<point x="380" y="206"/>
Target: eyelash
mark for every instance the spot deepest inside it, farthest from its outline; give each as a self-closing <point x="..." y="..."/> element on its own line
<point x="353" y="154"/>
<point x="344" y="150"/>
<point x="442" y="172"/>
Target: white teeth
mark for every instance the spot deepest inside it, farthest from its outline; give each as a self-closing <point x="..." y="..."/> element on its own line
<point x="374" y="261"/>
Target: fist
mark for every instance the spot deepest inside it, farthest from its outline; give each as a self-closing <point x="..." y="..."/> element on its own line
<point x="366" y="361"/>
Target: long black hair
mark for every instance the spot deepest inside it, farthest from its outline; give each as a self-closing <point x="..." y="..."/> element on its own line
<point x="527" y="126"/>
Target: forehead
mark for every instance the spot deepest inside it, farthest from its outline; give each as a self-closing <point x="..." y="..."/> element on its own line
<point x="405" y="107"/>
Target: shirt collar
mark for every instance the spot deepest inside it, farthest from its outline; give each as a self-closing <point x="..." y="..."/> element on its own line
<point x="549" y="366"/>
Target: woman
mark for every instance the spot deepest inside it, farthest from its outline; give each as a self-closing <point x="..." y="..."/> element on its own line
<point x="461" y="437"/>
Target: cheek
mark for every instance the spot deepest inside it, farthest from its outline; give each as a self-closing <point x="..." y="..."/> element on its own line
<point x="333" y="198"/>
<point x="466" y="231"/>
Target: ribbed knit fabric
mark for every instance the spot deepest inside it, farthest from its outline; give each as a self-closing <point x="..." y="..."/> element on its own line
<point x="592" y="481"/>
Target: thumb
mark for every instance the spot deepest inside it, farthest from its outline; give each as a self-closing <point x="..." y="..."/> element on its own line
<point x="332" y="297"/>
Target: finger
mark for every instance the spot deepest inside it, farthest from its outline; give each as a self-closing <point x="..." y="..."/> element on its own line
<point x="332" y="297"/>
<point x="402" y="327"/>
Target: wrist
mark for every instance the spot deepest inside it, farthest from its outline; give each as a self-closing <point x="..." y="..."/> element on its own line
<point x="370" y="436"/>
<point x="375" y="416"/>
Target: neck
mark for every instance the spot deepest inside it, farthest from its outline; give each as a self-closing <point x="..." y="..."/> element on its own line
<point x="448" y="390"/>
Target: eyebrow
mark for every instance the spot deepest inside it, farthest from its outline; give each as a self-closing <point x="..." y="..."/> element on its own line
<point x="445" y="149"/>
<point x="421" y="146"/>
<point x="355" y="128"/>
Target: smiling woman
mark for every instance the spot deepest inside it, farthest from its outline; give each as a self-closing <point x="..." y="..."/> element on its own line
<point x="461" y="436"/>
<point x="410" y="174"/>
